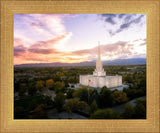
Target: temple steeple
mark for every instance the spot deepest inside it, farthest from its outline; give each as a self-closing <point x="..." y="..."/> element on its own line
<point x="99" y="78"/>
<point x="99" y="54"/>
<point x="99" y="71"/>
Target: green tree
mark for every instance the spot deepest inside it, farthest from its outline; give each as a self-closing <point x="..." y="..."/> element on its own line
<point x="106" y="99"/>
<point x="93" y="107"/>
<point x="39" y="85"/>
<point x="70" y="93"/>
<point x="119" y="96"/>
<point x="142" y="101"/>
<point x="58" y="86"/>
<point x="32" y="89"/>
<point x="82" y="105"/>
<point x="128" y="111"/>
<point x="84" y="95"/>
<point x="105" y="114"/>
<point x="78" y="92"/>
<point x="140" y="111"/>
<point x="74" y="105"/>
<point x="59" y="101"/>
<point x="94" y="96"/>
<point x="48" y="100"/>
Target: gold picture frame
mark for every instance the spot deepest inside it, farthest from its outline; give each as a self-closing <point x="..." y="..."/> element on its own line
<point x="10" y="7"/>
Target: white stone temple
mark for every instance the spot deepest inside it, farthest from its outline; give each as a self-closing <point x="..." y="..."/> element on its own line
<point x="99" y="78"/>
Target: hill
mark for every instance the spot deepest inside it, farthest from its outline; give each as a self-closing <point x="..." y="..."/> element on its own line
<point x="131" y="61"/>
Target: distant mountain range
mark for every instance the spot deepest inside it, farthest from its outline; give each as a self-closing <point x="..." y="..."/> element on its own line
<point x="131" y="61"/>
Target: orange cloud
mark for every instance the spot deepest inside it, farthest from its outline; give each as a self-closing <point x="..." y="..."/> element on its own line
<point x="41" y="51"/>
<point x="44" y="52"/>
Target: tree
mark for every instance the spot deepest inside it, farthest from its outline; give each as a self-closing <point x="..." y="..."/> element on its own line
<point x="84" y="95"/>
<point x="78" y="92"/>
<point x="57" y="78"/>
<point x="72" y="104"/>
<point x="82" y="105"/>
<point x="39" y="112"/>
<point x="106" y="99"/>
<point x="105" y="114"/>
<point x="140" y="109"/>
<point x="131" y="93"/>
<point x="49" y="83"/>
<point x="61" y="74"/>
<point x="58" y="86"/>
<point x="22" y="89"/>
<point x="128" y="111"/>
<point x="142" y="101"/>
<point x="66" y="84"/>
<point x="33" y="104"/>
<point x="93" y="107"/>
<point x="75" y="105"/>
<point x="32" y="89"/>
<point x="94" y="96"/>
<point x="119" y="96"/>
<point x="48" y="100"/>
<point x="19" y="113"/>
<point x="128" y="78"/>
<point x="39" y="85"/>
<point x="59" y="100"/>
<point x="70" y="93"/>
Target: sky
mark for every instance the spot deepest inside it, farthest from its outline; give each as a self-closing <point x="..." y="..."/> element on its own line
<point x="73" y="38"/>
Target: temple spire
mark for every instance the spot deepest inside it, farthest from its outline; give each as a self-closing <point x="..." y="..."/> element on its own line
<point x="99" y="71"/>
<point x="99" y="54"/>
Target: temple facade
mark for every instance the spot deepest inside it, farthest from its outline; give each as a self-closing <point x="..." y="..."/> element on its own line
<point x="99" y="78"/>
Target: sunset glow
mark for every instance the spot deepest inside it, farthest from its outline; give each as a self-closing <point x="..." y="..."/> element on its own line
<point x="73" y="38"/>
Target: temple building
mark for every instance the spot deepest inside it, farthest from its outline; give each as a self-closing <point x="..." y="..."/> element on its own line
<point x="99" y="78"/>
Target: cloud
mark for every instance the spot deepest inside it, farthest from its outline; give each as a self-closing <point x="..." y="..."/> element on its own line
<point x="121" y="15"/>
<point x="123" y="21"/>
<point x="42" y="38"/>
<point x="51" y="42"/>
<point x="40" y="26"/>
<point x="17" y="41"/>
<point x="111" y="51"/>
<point x="51" y="22"/>
<point x="109" y="18"/>
<point x="42" y="51"/>
<point x="142" y="44"/>
<point x="128" y="17"/>
<point x="19" y="47"/>
<point x="18" y="50"/>
<point x="37" y="24"/>
<point x="128" y="24"/>
<point x="39" y="50"/>
<point x="42" y="35"/>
